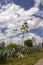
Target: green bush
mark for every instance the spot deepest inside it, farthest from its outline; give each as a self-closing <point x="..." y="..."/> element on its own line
<point x="28" y="43"/>
<point x="11" y="46"/>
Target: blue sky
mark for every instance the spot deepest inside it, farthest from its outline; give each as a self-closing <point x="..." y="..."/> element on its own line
<point x="14" y="12"/>
<point x="26" y="4"/>
<point x="38" y="31"/>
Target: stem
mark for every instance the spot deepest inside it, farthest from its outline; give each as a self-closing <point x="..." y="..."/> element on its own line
<point x="23" y="39"/>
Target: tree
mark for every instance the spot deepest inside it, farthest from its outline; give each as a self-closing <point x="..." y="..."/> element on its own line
<point x="28" y="42"/>
<point x="24" y="28"/>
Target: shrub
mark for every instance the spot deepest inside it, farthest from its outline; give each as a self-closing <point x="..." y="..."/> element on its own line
<point x="28" y="43"/>
<point x="11" y="46"/>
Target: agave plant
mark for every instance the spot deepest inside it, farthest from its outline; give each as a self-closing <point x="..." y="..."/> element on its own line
<point x="3" y="56"/>
<point x="37" y="48"/>
<point x="13" y="52"/>
<point x="24" y="49"/>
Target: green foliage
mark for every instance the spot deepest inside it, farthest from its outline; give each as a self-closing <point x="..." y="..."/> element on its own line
<point x="3" y="56"/>
<point x="24" y="49"/>
<point x="28" y="43"/>
<point x="11" y="46"/>
<point x="9" y="53"/>
<point x="12" y="50"/>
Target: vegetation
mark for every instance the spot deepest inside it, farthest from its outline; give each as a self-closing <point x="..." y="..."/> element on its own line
<point x="11" y="46"/>
<point x="30" y="59"/>
<point x="28" y="42"/>
<point x="9" y="54"/>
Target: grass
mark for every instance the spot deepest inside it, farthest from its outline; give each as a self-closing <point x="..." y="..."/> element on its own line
<point x="29" y="59"/>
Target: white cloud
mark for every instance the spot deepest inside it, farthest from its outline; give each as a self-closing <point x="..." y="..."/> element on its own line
<point x="37" y="2"/>
<point x="13" y="17"/>
<point x="18" y="40"/>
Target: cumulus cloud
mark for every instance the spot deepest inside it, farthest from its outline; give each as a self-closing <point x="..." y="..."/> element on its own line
<point x="12" y="17"/>
<point x="18" y="40"/>
<point x="37" y="2"/>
